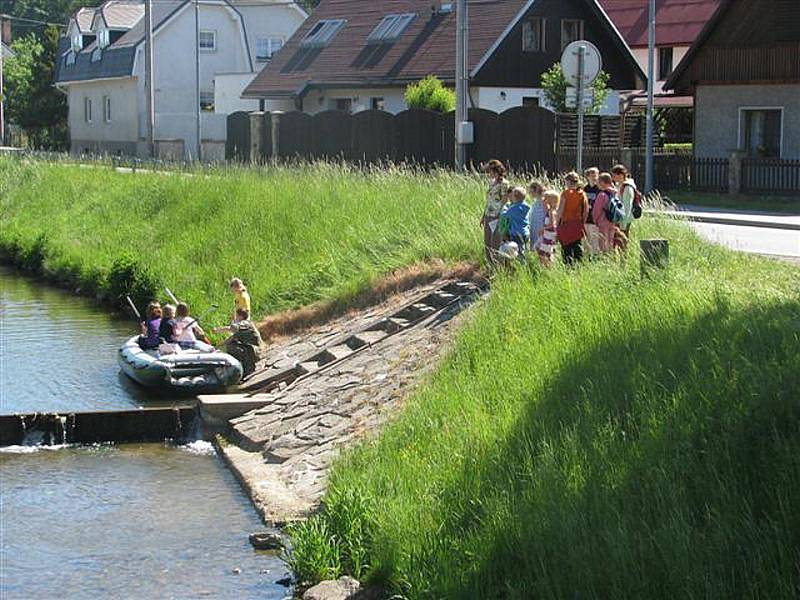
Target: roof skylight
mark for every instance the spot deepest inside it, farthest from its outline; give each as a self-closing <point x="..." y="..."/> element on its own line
<point x="390" y="27"/>
<point x="322" y="33"/>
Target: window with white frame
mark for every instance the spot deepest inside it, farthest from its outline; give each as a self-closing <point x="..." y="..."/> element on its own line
<point x="97" y="54"/>
<point x="321" y="33"/>
<point x="208" y="40"/>
<point x="107" y="109"/>
<point x="533" y="35"/>
<point x="266" y="47"/>
<point x="377" y="103"/>
<point x="102" y="38"/>
<point x="571" y="31"/>
<point x="87" y="110"/>
<point x="761" y="131"/>
<point x="207" y="100"/>
<point x="70" y="59"/>
<point x="390" y="28"/>
<point x="77" y="42"/>
<point x="665" y="58"/>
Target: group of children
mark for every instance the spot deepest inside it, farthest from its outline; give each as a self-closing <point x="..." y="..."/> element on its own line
<point x="594" y="217"/>
<point x="166" y="327"/>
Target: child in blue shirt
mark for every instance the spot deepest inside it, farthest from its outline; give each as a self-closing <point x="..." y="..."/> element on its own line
<point x="515" y="221"/>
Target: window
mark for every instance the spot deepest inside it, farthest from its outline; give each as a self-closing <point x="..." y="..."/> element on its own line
<point x="266" y="47"/>
<point x="87" y="110"/>
<point x="322" y="33"/>
<point x="207" y="100"/>
<point x="664" y="63"/>
<point x="102" y="38"/>
<point x="70" y="59"/>
<point x="377" y="104"/>
<point x="107" y="109"/>
<point x="533" y="35"/>
<point x="345" y="104"/>
<point x="77" y="42"/>
<point x="390" y="28"/>
<point x="97" y="54"/>
<point x="530" y="101"/>
<point x="571" y="31"/>
<point x="761" y="132"/>
<point x="208" y="40"/>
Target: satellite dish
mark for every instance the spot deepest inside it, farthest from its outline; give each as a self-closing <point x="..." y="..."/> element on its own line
<point x="592" y="62"/>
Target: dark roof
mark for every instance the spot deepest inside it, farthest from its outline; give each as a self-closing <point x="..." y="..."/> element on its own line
<point x="117" y="58"/>
<point x="678" y="22"/>
<point x="427" y="46"/>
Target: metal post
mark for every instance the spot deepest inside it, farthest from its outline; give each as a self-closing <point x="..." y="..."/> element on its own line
<point x="461" y="81"/>
<point x="197" y="76"/>
<point x="2" y="92"/>
<point x="579" y="96"/>
<point x="149" y="79"/>
<point x="651" y="76"/>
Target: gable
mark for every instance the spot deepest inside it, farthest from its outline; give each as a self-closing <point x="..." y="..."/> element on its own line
<point x="509" y="65"/>
<point x="746" y="41"/>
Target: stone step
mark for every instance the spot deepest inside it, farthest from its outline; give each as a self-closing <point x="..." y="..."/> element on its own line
<point x="216" y="410"/>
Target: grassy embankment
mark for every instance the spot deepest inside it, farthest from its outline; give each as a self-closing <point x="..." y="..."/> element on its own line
<point x="319" y="232"/>
<point x="591" y="435"/>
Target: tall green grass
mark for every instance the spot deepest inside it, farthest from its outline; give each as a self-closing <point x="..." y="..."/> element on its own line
<point x="294" y="234"/>
<point x="592" y="435"/>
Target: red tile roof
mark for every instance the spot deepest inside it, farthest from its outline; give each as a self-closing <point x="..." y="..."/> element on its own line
<point x="426" y="47"/>
<point x="678" y="22"/>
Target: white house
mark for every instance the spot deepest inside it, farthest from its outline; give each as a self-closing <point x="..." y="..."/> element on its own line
<point x="101" y="68"/>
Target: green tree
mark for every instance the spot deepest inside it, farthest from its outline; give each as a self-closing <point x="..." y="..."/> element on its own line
<point x="431" y="94"/>
<point x="555" y="90"/>
<point x="32" y="102"/>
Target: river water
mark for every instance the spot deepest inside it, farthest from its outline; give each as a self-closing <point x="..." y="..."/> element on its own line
<point x="134" y="521"/>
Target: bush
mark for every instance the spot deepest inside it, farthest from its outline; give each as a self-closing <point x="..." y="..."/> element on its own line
<point x="129" y="277"/>
<point x="431" y="94"/>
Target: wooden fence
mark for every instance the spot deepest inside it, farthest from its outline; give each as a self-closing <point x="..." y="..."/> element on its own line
<point x="770" y="175"/>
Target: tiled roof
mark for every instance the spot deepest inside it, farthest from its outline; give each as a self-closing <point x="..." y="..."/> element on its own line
<point x="678" y="22"/>
<point x="426" y="47"/>
<point x="117" y="58"/>
<point x="122" y="14"/>
<point x="84" y="16"/>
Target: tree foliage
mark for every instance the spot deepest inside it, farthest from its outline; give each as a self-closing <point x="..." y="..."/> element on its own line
<point x="431" y="94"/>
<point x="32" y="102"/>
<point x="555" y="86"/>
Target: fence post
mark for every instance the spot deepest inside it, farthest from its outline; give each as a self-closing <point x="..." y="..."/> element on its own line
<point x="274" y="134"/>
<point x="256" y="136"/>
<point x="626" y="157"/>
<point x="735" y="172"/>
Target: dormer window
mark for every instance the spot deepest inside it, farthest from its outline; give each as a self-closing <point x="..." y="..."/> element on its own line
<point x="77" y="43"/>
<point x="103" y="38"/>
<point x="322" y="33"/>
<point x="70" y="58"/>
<point x="390" y="28"/>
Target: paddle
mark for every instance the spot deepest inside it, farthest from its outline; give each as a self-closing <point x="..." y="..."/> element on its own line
<point x="133" y="306"/>
<point x="210" y="309"/>
<point x="171" y="295"/>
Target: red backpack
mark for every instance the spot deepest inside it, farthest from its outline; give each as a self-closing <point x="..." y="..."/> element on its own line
<point x="636" y="209"/>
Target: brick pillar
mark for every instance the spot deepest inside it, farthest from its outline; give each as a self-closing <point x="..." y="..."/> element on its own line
<point x="735" y="172"/>
<point x="256" y="136"/>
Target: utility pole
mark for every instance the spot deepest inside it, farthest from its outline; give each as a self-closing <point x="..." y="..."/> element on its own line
<point x="149" y="79"/>
<point x="197" y="77"/>
<point x="463" y="130"/>
<point x="651" y="76"/>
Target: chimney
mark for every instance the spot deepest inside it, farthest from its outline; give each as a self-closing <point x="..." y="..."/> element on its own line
<point x="6" y="31"/>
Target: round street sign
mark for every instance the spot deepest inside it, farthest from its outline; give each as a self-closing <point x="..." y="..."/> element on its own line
<point x="592" y="63"/>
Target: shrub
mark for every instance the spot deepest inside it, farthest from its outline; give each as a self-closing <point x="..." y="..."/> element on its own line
<point x="129" y="277"/>
<point x="431" y="94"/>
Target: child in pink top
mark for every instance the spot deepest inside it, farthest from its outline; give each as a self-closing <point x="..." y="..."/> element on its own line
<point x="608" y="231"/>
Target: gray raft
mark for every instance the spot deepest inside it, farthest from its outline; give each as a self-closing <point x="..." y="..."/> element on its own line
<point x="186" y="371"/>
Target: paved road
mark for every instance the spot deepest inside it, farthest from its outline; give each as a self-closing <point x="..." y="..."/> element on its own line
<point x="782" y="240"/>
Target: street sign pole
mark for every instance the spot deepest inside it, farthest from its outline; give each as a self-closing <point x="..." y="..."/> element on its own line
<point x="651" y="45"/>
<point x="462" y="85"/>
<point x="580" y="91"/>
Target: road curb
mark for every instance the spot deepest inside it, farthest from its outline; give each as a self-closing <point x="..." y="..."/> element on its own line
<point x="727" y="221"/>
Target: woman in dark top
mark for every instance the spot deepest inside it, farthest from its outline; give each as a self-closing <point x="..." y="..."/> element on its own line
<point x="166" y="330"/>
<point x="150" y="327"/>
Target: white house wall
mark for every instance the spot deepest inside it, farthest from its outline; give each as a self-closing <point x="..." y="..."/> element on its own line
<point x="640" y="54"/>
<point x="268" y="20"/>
<point x="320" y="100"/>
<point x="491" y="98"/>
<point x="99" y="136"/>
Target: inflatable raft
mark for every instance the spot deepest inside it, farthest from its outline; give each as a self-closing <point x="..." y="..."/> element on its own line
<point x="186" y="371"/>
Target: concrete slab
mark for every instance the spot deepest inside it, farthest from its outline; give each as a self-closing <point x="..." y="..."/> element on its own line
<point x="217" y="409"/>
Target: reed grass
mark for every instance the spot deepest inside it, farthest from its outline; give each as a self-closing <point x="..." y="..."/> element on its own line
<point x="295" y="234"/>
<point x="592" y="435"/>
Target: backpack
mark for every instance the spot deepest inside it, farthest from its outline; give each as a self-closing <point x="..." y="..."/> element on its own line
<point x="636" y="207"/>
<point x="615" y="209"/>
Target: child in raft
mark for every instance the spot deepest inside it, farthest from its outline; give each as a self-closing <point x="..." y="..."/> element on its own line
<point x="166" y="330"/>
<point x="241" y="297"/>
<point x="149" y="340"/>
<point x="188" y="333"/>
<point x="546" y="245"/>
